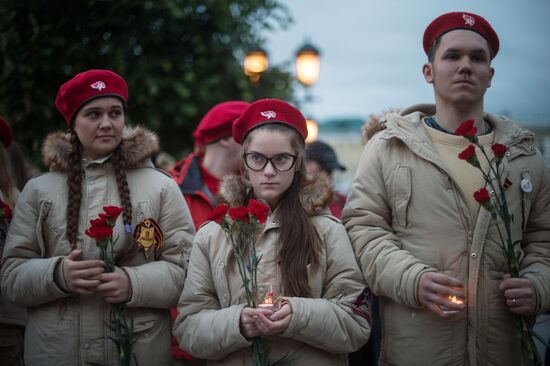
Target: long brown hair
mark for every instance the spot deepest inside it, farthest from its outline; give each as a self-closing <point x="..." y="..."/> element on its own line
<point x="7" y="183"/>
<point x="74" y="181"/>
<point x="299" y="242"/>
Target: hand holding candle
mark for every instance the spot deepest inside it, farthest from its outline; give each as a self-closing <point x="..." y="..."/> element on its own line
<point x="454" y="300"/>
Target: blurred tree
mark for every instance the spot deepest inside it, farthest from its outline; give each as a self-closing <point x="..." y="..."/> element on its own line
<point x="179" y="57"/>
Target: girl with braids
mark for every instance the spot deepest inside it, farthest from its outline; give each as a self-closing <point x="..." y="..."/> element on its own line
<point x="324" y="308"/>
<point x="51" y="266"/>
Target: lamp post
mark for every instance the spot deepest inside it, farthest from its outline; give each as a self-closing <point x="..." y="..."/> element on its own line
<point x="312" y="130"/>
<point x="255" y="62"/>
<point x="308" y="66"/>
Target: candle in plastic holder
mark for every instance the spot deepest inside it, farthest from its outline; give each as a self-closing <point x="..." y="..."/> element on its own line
<point x="454" y="300"/>
<point x="267" y="296"/>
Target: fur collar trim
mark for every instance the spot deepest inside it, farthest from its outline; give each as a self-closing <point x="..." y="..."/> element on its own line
<point x="316" y="193"/>
<point x="138" y="145"/>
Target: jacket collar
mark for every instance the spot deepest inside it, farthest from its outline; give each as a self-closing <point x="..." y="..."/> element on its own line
<point x="138" y="146"/>
<point x="316" y="193"/>
<point x="407" y="125"/>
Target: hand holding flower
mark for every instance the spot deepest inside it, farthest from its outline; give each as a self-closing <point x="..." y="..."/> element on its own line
<point x="518" y="291"/>
<point x="115" y="287"/>
<point x="80" y="275"/>
<point x="520" y="295"/>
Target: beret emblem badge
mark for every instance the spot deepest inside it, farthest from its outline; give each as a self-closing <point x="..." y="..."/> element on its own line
<point x="99" y="85"/>
<point x="469" y="20"/>
<point x="268" y="114"/>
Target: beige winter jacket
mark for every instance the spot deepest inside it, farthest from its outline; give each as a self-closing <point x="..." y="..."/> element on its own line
<point x="322" y="330"/>
<point x="68" y="329"/>
<point x="405" y="216"/>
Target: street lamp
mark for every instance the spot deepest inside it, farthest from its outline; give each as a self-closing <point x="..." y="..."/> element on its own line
<point x="312" y="130"/>
<point x="255" y="62"/>
<point x="308" y="65"/>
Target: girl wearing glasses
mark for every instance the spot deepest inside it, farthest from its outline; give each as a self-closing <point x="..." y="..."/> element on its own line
<point x="323" y="311"/>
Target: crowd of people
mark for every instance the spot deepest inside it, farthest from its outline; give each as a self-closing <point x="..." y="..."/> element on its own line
<point x="407" y="269"/>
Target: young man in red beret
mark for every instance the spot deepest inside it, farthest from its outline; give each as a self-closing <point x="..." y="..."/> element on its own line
<point x="420" y="236"/>
<point x="199" y="174"/>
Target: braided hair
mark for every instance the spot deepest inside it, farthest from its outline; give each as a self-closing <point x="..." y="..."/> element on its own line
<point x="74" y="182"/>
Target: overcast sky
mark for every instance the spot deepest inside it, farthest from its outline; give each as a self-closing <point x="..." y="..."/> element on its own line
<point x="372" y="54"/>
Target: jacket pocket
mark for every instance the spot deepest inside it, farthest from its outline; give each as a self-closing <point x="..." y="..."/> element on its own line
<point x="152" y="336"/>
<point x="51" y="334"/>
<point x="222" y="286"/>
<point x="401" y="194"/>
<point x="41" y="223"/>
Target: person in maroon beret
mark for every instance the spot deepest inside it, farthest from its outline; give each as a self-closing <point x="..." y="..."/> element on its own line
<point x="199" y="174"/>
<point x="323" y="305"/>
<point x="426" y="246"/>
<point x="52" y="265"/>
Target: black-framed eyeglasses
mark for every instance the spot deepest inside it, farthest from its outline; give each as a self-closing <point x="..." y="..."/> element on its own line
<point x="280" y="162"/>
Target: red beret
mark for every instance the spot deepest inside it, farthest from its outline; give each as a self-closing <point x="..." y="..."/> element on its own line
<point x="460" y="20"/>
<point x="217" y="123"/>
<point x="265" y="111"/>
<point x="6" y="135"/>
<point x="86" y="86"/>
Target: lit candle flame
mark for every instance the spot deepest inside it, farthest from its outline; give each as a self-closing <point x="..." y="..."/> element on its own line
<point x="268" y="300"/>
<point x="454" y="300"/>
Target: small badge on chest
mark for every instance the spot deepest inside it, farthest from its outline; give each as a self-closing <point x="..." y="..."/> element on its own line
<point x="149" y="237"/>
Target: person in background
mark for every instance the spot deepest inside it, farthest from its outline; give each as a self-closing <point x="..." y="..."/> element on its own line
<point x="12" y="318"/>
<point x="324" y="308"/>
<point x="320" y="157"/>
<point x="21" y="166"/>
<point x="420" y="236"/>
<point x="52" y="267"/>
<point x="199" y="175"/>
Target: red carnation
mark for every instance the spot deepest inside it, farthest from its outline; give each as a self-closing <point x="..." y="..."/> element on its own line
<point x="239" y="214"/>
<point x="467" y="153"/>
<point x="112" y="213"/>
<point x="258" y="210"/>
<point x="99" y="222"/>
<point x="8" y="213"/>
<point x="467" y="129"/>
<point x="482" y="196"/>
<point x="99" y="233"/>
<point x="5" y="211"/>
<point x="218" y="214"/>
<point x="499" y="150"/>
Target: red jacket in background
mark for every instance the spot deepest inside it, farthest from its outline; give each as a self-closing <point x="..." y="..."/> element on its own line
<point x="336" y="206"/>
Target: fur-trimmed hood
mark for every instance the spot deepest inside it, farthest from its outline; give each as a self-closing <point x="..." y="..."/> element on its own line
<point x="316" y="193"/>
<point x="138" y="145"/>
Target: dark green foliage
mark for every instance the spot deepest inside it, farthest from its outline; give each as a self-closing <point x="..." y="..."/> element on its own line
<point x="179" y="57"/>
